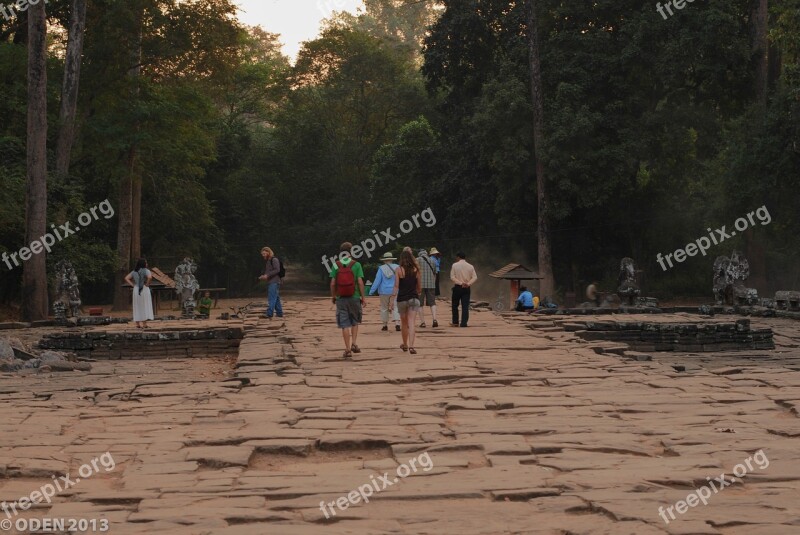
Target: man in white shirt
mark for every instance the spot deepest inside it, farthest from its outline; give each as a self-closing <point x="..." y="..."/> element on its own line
<point x="463" y="276"/>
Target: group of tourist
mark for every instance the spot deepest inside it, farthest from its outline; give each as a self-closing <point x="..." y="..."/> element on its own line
<point x="429" y="268"/>
<point x="404" y="288"/>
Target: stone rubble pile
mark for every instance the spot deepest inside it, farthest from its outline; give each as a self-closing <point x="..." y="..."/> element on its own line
<point x="47" y="361"/>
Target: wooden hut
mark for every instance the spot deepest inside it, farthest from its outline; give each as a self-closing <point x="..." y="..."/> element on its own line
<point x="515" y="273"/>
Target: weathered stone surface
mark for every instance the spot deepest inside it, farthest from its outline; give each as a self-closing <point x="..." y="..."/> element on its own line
<point x="509" y="430"/>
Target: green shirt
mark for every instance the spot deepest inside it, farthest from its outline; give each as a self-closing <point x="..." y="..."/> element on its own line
<point x="358" y="272"/>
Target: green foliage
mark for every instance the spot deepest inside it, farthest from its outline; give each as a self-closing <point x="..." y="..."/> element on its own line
<point x="645" y="119"/>
<point x="651" y="134"/>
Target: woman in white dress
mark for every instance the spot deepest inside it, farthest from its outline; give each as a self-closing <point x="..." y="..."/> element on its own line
<point x="140" y="279"/>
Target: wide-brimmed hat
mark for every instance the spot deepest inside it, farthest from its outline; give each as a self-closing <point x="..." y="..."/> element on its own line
<point x="388" y="256"/>
<point x="434" y="251"/>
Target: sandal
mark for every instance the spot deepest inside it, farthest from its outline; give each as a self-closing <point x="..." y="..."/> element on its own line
<point x="355" y="349"/>
<point x="412" y="351"/>
<point x="347" y="355"/>
<point x="404" y="347"/>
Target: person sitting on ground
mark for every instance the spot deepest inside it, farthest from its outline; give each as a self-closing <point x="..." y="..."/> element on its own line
<point x="525" y="300"/>
<point x="593" y="294"/>
<point x="205" y="304"/>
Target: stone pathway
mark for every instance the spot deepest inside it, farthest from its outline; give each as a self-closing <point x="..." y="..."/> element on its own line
<point x="528" y="430"/>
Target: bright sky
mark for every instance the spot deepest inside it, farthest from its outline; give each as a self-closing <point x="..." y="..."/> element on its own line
<point x="295" y="20"/>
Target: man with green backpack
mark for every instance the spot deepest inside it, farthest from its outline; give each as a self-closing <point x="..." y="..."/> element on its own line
<point x="347" y="293"/>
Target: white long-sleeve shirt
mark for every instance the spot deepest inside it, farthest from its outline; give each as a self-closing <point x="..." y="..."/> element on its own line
<point x="462" y="272"/>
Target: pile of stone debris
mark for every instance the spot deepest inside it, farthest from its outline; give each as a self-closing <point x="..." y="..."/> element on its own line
<point x="15" y="356"/>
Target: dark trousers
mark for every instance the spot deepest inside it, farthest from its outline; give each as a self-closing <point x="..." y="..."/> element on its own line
<point x="461" y="296"/>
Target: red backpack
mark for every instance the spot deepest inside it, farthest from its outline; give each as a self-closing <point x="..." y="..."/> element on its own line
<point x="345" y="280"/>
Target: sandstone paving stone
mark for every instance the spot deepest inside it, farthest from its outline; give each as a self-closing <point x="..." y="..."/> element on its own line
<point x="760" y="529"/>
<point x="611" y="439"/>
<point x="149" y="467"/>
<point x="300" y="447"/>
<point x="322" y="424"/>
<point x="221" y="456"/>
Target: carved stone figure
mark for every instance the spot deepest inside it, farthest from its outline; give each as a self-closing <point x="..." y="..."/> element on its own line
<point x="628" y="289"/>
<point x="68" y="292"/>
<point x="186" y="285"/>
<point x="729" y="276"/>
<point x="721" y="280"/>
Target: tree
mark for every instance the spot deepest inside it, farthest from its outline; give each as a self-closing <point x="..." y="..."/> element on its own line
<point x="759" y="17"/>
<point x="168" y="51"/>
<point x="547" y="286"/>
<point x="130" y="196"/>
<point x="402" y="23"/>
<point x="34" y="278"/>
<point x="69" y="91"/>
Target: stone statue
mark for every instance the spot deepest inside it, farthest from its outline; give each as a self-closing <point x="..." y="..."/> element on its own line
<point x="186" y="285"/>
<point x="729" y="276"/>
<point x="721" y="280"/>
<point x="628" y="289"/>
<point x="68" y="291"/>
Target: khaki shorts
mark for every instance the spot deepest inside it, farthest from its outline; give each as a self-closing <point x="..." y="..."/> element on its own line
<point x="428" y="297"/>
<point x="405" y="306"/>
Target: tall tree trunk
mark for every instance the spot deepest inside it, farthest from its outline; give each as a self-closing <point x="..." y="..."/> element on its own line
<point x="34" y="275"/>
<point x="124" y="238"/>
<point x="136" y="217"/>
<point x="547" y="287"/>
<point x="136" y="212"/>
<point x="128" y="220"/>
<point x="69" y="90"/>
<point x="759" y="17"/>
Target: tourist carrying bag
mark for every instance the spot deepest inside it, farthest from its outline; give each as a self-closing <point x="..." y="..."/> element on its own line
<point x="345" y="280"/>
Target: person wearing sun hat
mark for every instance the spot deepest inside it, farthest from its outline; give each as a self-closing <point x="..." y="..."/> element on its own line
<point x="436" y="256"/>
<point x="428" y="297"/>
<point x="384" y="286"/>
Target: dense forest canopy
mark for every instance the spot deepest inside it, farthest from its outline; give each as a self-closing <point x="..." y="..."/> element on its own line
<point x="654" y="131"/>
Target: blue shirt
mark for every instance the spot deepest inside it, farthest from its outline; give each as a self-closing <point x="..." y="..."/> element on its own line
<point x="384" y="285"/>
<point x="526" y="298"/>
<point x="437" y="262"/>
